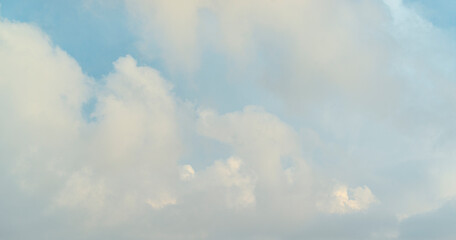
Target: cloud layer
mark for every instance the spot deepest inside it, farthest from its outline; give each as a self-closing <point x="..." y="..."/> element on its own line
<point x="361" y="146"/>
<point x="117" y="162"/>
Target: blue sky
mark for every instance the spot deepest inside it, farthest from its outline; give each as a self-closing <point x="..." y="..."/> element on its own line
<point x="438" y="12"/>
<point x="208" y="119"/>
<point x="95" y="37"/>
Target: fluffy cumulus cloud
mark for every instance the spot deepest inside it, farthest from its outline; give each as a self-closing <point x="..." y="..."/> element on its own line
<point x="104" y="154"/>
<point x="112" y="166"/>
<point x="360" y="147"/>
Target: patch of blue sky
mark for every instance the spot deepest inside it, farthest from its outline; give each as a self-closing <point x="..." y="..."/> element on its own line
<point x="95" y="36"/>
<point x="439" y="12"/>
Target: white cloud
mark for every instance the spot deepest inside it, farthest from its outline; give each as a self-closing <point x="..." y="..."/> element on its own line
<point x="232" y="176"/>
<point x="81" y="190"/>
<point x="347" y="200"/>
<point x="124" y="166"/>
<point x="42" y="90"/>
<point x="162" y="202"/>
<point x="324" y="47"/>
<point x="187" y="172"/>
<point x="171" y="24"/>
<point x="258" y="137"/>
<point x="108" y="168"/>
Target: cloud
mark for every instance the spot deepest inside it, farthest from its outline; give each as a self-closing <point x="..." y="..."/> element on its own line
<point x="306" y="53"/>
<point x="346" y="200"/>
<point x="104" y="168"/>
<point x="42" y="90"/>
<point x="172" y="25"/>
<point x="302" y="48"/>
<point x="187" y="172"/>
<point x="255" y="135"/>
<point x="231" y="175"/>
<point x="111" y="156"/>
<point x="82" y="191"/>
<point x="435" y="224"/>
<point x="107" y="168"/>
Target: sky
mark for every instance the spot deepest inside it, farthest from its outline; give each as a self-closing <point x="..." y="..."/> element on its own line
<point x="220" y="120"/>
